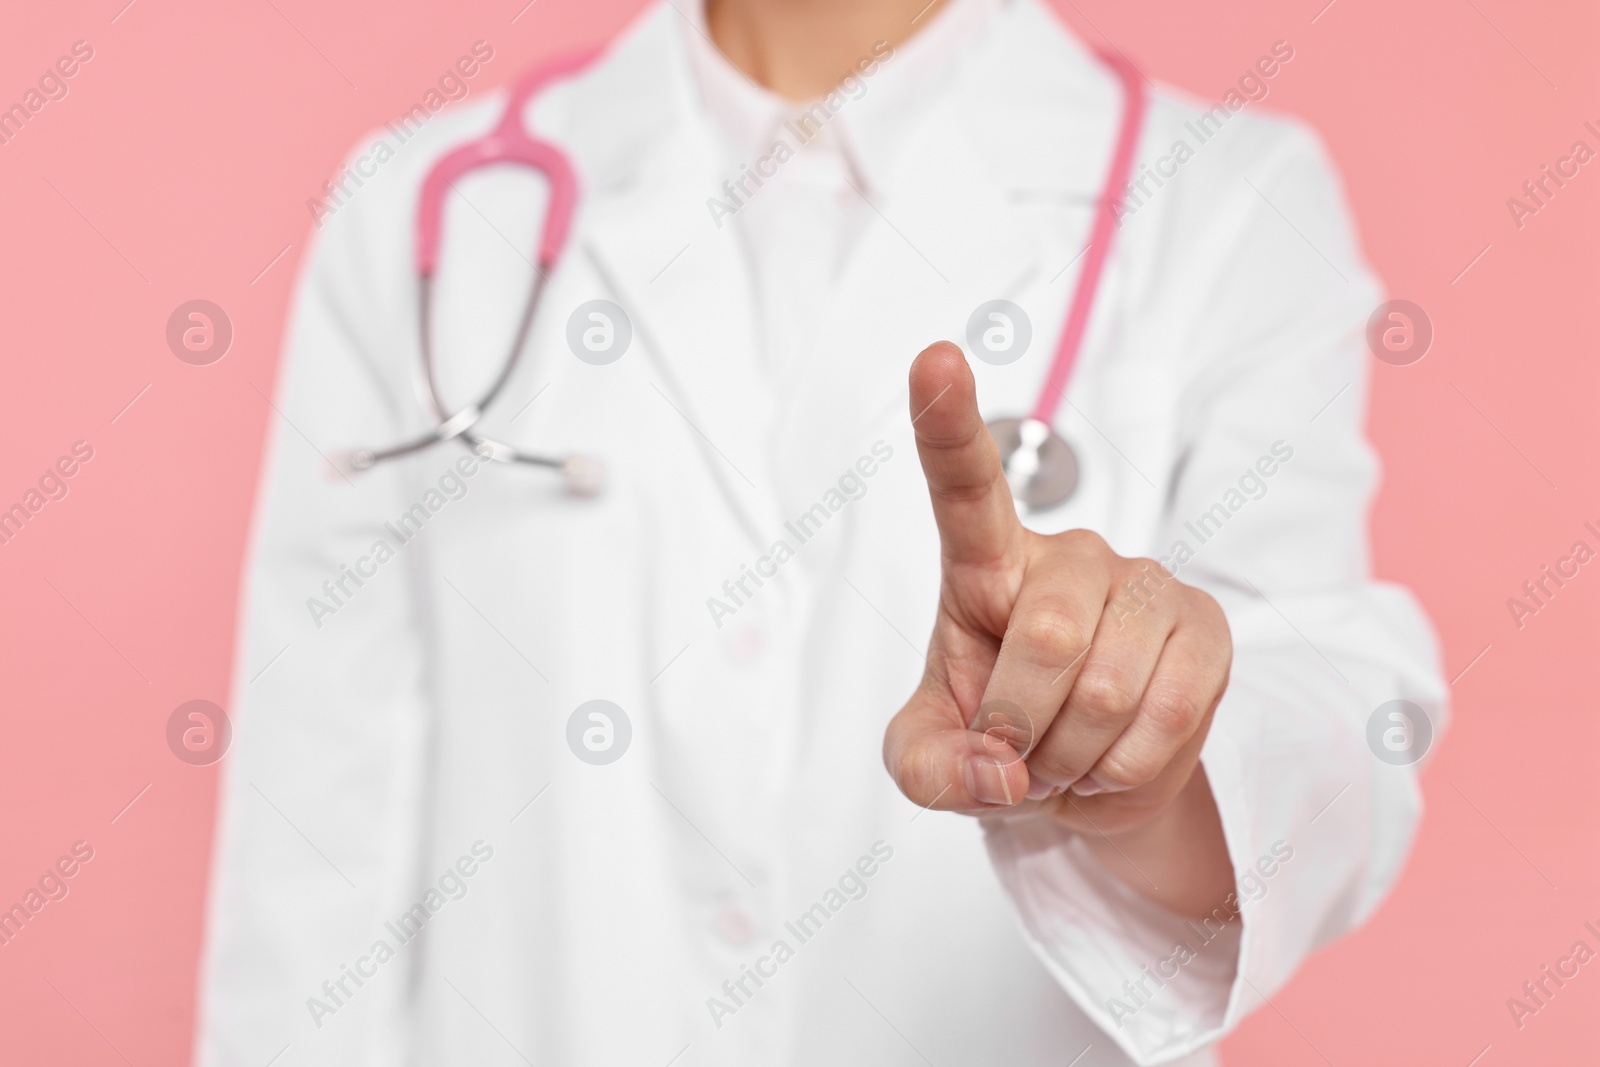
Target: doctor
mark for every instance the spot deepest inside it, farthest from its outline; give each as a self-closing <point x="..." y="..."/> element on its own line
<point x="525" y="777"/>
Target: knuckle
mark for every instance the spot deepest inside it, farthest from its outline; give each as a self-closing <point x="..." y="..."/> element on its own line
<point x="956" y="488"/>
<point x="1156" y="568"/>
<point x="1140" y="591"/>
<point x="1086" y="542"/>
<point x="1050" y="636"/>
<point x="1213" y="621"/>
<point x="1205" y="608"/>
<point x="1127" y="770"/>
<point x="1104" y="698"/>
<point x="1057" y="767"/>
<point x="1170" y="713"/>
<point x="1149" y="576"/>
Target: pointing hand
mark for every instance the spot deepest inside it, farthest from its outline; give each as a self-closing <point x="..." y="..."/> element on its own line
<point x="1062" y="679"/>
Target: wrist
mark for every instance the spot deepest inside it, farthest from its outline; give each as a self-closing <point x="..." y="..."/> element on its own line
<point x="1179" y="857"/>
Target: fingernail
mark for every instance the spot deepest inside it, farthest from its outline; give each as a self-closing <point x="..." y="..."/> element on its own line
<point x="1039" y="789"/>
<point x="986" y="781"/>
<point x="1087" y="787"/>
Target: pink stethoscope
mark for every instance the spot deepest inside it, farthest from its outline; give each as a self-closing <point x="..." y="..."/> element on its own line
<point x="1039" y="464"/>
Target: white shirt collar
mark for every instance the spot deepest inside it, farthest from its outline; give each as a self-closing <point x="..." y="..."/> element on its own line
<point x="869" y="121"/>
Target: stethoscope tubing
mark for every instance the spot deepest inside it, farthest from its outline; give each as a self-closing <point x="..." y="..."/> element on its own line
<point x="509" y="142"/>
<point x="1102" y="236"/>
<point x="458" y="426"/>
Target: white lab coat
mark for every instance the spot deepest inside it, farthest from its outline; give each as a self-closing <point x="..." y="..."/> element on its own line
<point x="379" y="745"/>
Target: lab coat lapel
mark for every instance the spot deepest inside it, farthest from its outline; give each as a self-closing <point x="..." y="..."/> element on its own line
<point x="992" y="198"/>
<point x="681" y="279"/>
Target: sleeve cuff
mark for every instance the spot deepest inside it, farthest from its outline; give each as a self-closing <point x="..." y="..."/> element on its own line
<point x="1158" y="984"/>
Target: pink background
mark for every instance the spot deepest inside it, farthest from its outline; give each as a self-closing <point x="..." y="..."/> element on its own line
<point x="179" y="166"/>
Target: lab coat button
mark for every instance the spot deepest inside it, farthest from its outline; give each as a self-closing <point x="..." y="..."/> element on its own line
<point x="734" y="925"/>
<point x="746" y="645"/>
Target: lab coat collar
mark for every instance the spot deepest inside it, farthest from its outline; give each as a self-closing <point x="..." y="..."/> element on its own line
<point x="1023" y="83"/>
<point x="915" y="82"/>
<point x="992" y="198"/>
<point x="872" y="112"/>
<point x="1041" y="110"/>
<point x="1027" y="121"/>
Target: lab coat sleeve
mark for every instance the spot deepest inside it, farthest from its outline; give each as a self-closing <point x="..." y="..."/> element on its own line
<point x="1317" y="827"/>
<point x="318" y="806"/>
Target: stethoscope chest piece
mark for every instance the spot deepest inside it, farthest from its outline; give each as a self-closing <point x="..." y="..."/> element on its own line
<point x="1040" y="466"/>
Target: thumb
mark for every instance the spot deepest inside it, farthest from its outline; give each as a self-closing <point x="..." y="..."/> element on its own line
<point x="971" y="499"/>
<point x="939" y="763"/>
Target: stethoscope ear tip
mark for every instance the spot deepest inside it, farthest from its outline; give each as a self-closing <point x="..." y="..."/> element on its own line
<point x="584" y="476"/>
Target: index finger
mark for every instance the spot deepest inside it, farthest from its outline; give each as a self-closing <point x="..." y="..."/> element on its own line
<point x="971" y="499"/>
